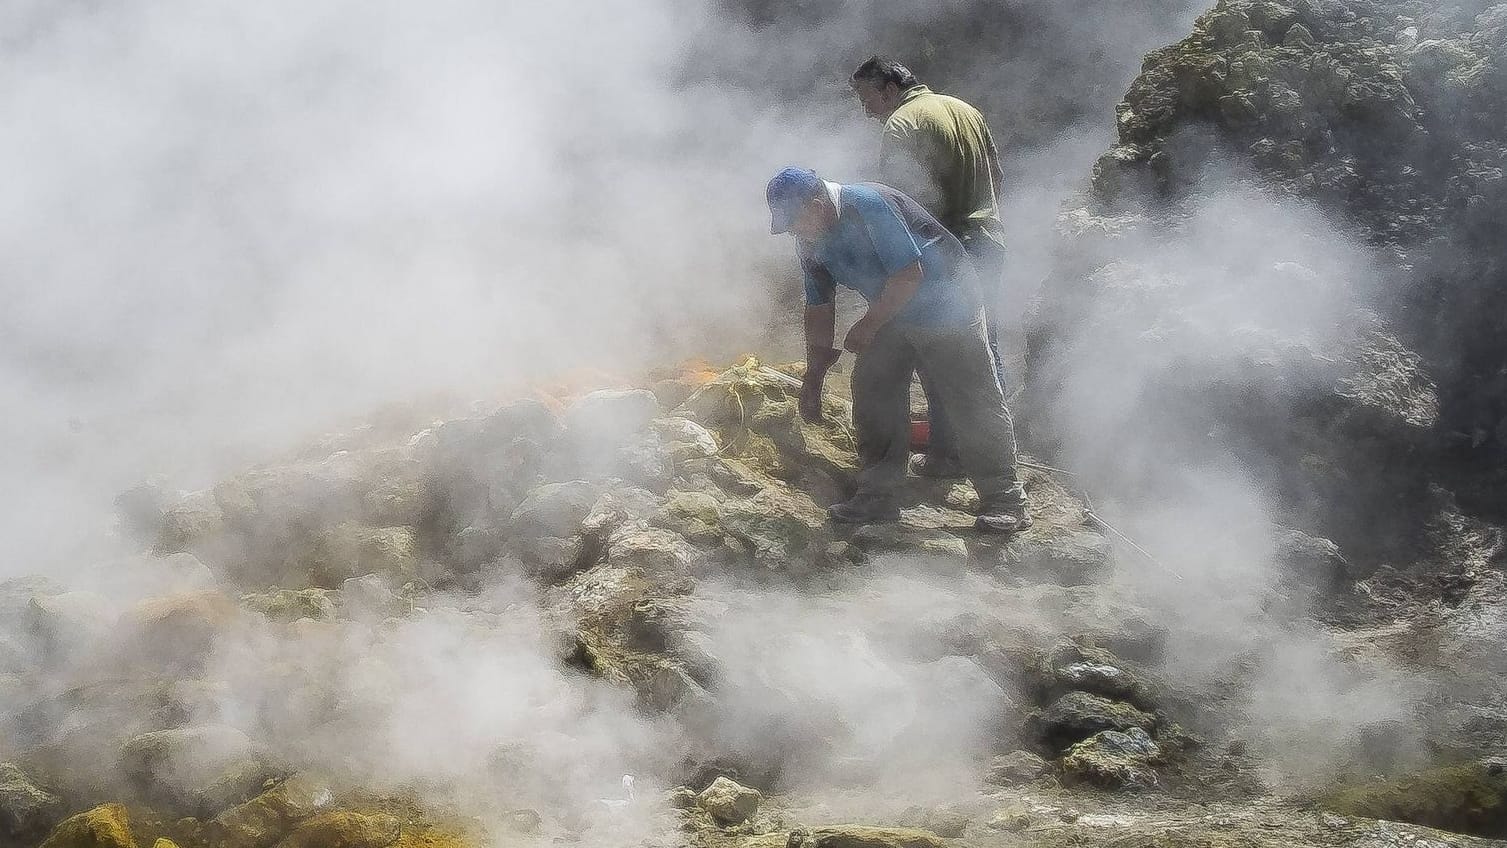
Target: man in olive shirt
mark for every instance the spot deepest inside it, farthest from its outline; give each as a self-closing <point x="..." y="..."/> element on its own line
<point x="938" y="150"/>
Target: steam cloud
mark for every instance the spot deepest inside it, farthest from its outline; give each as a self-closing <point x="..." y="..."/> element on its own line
<point x="230" y="225"/>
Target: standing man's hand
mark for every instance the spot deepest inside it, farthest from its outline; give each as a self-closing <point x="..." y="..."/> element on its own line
<point x="819" y="360"/>
<point x="861" y="334"/>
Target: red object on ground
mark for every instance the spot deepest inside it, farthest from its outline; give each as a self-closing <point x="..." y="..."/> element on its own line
<point x="920" y="435"/>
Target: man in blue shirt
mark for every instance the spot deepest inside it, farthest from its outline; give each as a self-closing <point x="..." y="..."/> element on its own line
<point x="924" y="311"/>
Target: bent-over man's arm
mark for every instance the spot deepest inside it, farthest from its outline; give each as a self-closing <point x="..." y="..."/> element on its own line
<point x="900" y="258"/>
<point x="898" y="290"/>
<point x="820" y="332"/>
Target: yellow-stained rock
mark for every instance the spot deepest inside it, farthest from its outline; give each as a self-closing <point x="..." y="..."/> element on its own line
<point x="264" y="820"/>
<point x="105" y="826"/>
<point x="164" y="843"/>
<point x="345" y="829"/>
<point x="434" y="839"/>
<point x="1466" y="798"/>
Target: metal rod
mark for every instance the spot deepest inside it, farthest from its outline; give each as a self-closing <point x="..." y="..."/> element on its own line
<point x="1039" y="467"/>
<point x="1113" y="531"/>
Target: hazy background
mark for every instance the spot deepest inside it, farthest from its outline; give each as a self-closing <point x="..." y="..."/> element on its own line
<point x="230" y="226"/>
<point x="227" y="226"/>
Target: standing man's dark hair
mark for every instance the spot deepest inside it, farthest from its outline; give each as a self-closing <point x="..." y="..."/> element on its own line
<point x="882" y="70"/>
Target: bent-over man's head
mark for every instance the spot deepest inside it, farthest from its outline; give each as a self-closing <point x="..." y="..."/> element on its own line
<point x="879" y="83"/>
<point x="799" y="205"/>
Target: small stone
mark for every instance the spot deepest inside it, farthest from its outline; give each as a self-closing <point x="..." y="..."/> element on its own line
<point x="553" y="558"/>
<point x="291" y="604"/>
<point x="1077" y="558"/>
<point x="555" y="509"/>
<point x="681" y="798"/>
<point x="1017" y="767"/>
<point x="685" y="438"/>
<point x="1113" y="760"/>
<point x="655" y="550"/>
<point x="695" y="515"/>
<point x="1311" y="560"/>
<point x="729" y="802"/>
<point x="1011" y="820"/>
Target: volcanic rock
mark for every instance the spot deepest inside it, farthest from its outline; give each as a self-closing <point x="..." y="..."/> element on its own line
<point x="291" y="604"/>
<point x="106" y="826"/>
<point x="780" y="525"/>
<point x="554" y="509"/>
<point x="1077" y="558"/>
<point x="611" y="415"/>
<point x="729" y="802"/>
<point x="264" y="820"/>
<point x="1113" y="760"/>
<point x="1079" y="715"/>
<point x="685" y="439"/>
<point x="1017" y="767"/>
<point x="342" y="829"/>
<point x="349" y="550"/>
<point x="201" y="770"/>
<point x="180" y="631"/>
<point x="27" y="811"/>
<point x="655" y="550"/>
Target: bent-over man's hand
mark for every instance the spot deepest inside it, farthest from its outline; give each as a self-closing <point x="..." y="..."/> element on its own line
<point x="861" y="335"/>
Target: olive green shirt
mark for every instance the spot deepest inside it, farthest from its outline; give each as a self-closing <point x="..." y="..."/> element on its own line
<point x="938" y="150"/>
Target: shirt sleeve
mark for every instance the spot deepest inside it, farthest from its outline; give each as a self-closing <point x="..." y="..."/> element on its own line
<point x="821" y="289"/>
<point x="892" y="240"/>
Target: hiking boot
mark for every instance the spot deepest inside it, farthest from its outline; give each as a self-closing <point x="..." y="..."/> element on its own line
<point x="1002" y="519"/>
<point x="864" y="509"/>
<point x="937" y="468"/>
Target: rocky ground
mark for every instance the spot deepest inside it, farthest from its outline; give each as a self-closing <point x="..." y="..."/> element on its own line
<point x="232" y="687"/>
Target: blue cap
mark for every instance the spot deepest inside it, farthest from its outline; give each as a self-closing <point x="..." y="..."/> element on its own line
<point x="788" y="190"/>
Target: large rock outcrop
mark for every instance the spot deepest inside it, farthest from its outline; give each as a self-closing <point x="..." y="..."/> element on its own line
<point x="1289" y="257"/>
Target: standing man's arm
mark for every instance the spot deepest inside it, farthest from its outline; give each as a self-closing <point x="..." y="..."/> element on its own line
<point x="820" y="332"/>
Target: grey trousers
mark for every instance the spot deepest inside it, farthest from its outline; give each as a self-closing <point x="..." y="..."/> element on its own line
<point x="989" y="261"/>
<point x="960" y="369"/>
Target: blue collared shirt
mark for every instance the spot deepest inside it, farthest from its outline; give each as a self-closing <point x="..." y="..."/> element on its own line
<point x="880" y="231"/>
